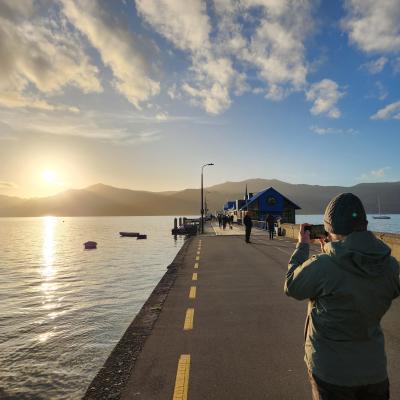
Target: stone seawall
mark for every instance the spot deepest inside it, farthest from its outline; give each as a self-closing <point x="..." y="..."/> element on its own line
<point x="391" y="239"/>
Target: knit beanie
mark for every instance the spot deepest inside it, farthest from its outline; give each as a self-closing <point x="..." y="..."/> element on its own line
<point x="345" y="214"/>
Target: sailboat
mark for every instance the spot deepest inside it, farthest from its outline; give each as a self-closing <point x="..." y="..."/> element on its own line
<point x="380" y="216"/>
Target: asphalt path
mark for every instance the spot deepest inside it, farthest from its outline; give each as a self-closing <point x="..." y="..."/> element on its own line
<point x="243" y="338"/>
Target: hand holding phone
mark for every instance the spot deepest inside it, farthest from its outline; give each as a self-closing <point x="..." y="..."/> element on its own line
<point x="316" y="231"/>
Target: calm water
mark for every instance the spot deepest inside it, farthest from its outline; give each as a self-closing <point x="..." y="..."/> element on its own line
<point x="377" y="225"/>
<point x="62" y="309"/>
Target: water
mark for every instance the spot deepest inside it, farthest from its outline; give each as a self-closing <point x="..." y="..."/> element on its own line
<point x="377" y="225"/>
<point x="62" y="308"/>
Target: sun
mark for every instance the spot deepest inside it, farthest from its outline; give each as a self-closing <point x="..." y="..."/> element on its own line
<point x="49" y="176"/>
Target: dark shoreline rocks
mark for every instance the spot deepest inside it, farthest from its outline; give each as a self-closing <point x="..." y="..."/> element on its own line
<point x="112" y="377"/>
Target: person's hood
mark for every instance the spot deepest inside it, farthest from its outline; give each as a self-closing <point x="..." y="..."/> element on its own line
<point x="361" y="253"/>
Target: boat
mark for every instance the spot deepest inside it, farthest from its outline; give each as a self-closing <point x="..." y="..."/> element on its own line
<point x="130" y="234"/>
<point x="90" y="245"/>
<point x="380" y="216"/>
<point x="141" y="236"/>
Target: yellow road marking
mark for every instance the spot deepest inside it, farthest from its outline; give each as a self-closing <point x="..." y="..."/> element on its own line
<point x="196" y="265"/>
<point x="188" y="325"/>
<point x="192" y="293"/>
<point x="182" y="378"/>
<point x="194" y="277"/>
<point x="197" y="258"/>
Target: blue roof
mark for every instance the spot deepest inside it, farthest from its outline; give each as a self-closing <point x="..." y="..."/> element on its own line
<point x="259" y="194"/>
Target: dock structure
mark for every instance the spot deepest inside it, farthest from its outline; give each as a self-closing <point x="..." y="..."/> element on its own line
<point x="227" y="331"/>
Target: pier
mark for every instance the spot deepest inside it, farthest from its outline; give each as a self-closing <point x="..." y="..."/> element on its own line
<point x="219" y="327"/>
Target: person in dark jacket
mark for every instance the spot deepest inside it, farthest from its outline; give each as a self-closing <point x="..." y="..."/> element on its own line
<point x="270" y="222"/>
<point x="248" y="223"/>
<point x="350" y="286"/>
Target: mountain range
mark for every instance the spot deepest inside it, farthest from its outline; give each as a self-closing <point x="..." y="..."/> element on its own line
<point x="102" y="200"/>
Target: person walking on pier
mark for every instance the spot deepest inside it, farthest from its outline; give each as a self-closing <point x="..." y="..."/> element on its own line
<point x="350" y="285"/>
<point x="248" y="223"/>
<point x="270" y="222"/>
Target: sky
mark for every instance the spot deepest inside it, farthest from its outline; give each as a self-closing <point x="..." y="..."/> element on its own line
<point x="140" y="94"/>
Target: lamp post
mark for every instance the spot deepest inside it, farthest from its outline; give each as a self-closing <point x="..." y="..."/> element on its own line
<point x="202" y="198"/>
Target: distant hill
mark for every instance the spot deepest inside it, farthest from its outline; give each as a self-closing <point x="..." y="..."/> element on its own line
<point x="102" y="200"/>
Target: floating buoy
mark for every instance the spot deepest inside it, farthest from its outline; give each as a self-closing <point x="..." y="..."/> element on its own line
<point x="141" y="236"/>
<point x="90" y="245"/>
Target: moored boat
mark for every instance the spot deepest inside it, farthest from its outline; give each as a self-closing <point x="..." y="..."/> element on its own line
<point x="130" y="234"/>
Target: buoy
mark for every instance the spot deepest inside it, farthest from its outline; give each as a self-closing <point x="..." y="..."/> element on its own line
<point x="90" y="245"/>
<point x="142" y="236"/>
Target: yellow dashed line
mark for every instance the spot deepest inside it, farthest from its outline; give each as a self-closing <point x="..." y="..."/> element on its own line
<point x="194" y="277"/>
<point x="197" y="258"/>
<point x="196" y="265"/>
<point x="192" y="293"/>
<point x="182" y="378"/>
<point x="188" y="325"/>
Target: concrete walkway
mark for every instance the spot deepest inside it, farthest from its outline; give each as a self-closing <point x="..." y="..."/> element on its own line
<point x="228" y="332"/>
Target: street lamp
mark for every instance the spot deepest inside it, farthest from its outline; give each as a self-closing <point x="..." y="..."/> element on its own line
<point x="202" y="198"/>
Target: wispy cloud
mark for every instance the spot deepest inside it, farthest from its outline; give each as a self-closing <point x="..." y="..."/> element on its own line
<point x="391" y="111"/>
<point x="88" y="125"/>
<point x="375" y="66"/>
<point x="378" y="174"/>
<point x="5" y="185"/>
<point x="325" y="95"/>
<point x="326" y="131"/>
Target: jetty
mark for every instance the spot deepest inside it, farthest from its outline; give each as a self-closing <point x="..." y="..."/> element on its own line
<point x="218" y="326"/>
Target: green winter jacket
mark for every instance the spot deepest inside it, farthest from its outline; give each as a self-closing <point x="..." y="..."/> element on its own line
<point x="350" y="289"/>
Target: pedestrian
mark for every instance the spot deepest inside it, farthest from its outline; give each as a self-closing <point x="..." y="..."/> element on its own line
<point x="270" y="222"/>
<point x="230" y="220"/>
<point x="219" y="220"/>
<point x="224" y="221"/>
<point x="350" y="285"/>
<point x="248" y="223"/>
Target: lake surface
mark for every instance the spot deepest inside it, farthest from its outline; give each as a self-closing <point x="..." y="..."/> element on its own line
<point x="378" y="225"/>
<point x="62" y="308"/>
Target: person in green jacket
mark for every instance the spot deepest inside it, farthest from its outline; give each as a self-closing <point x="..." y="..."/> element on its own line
<point x="350" y="286"/>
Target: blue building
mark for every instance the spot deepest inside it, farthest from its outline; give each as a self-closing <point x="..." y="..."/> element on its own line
<point x="270" y="201"/>
<point x="230" y="205"/>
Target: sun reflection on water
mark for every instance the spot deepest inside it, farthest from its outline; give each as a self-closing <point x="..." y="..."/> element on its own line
<point x="48" y="272"/>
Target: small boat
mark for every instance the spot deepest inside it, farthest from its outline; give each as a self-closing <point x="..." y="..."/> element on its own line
<point x="380" y="216"/>
<point x="141" y="236"/>
<point x="90" y="245"/>
<point x="130" y="234"/>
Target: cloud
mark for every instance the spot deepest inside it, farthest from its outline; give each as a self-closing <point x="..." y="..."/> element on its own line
<point x="379" y="174"/>
<point x="219" y="49"/>
<point x="122" y="129"/>
<point x="325" y="94"/>
<point x="373" y="26"/>
<point x="391" y="111"/>
<point x="118" y="47"/>
<point x="325" y="131"/>
<point x="4" y="185"/>
<point x="39" y="57"/>
<point x="375" y="66"/>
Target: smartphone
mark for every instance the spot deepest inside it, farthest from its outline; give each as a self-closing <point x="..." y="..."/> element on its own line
<point x="316" y="231"/>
